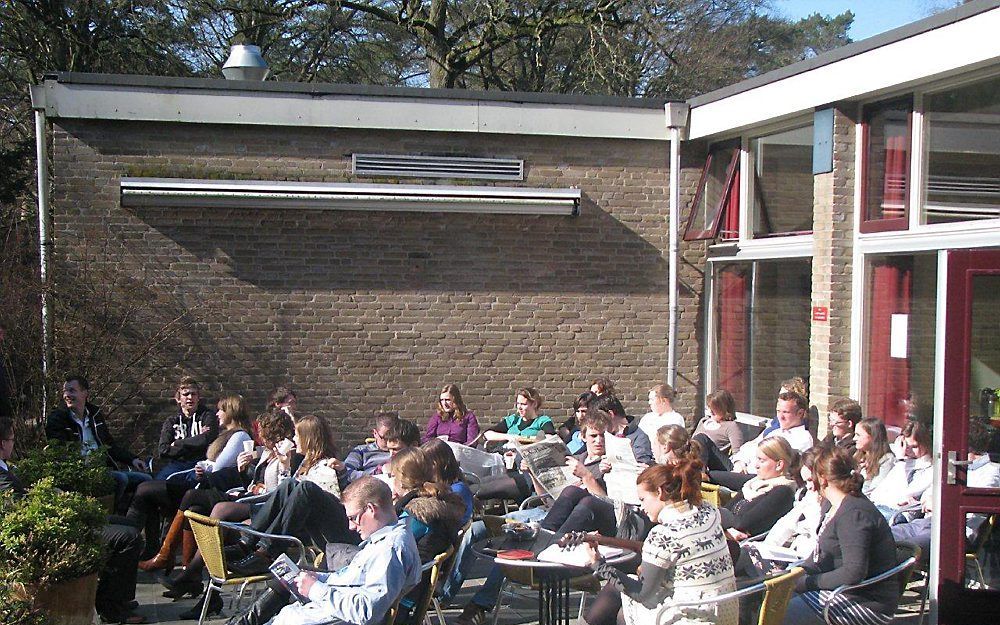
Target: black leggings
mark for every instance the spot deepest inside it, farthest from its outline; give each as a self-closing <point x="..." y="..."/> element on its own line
<point x="606" y="609"/>
<point x="306" y="511"/>
<point x="576" y="510"/>
<point x="516" y="486"/>
<point x="152" y="500"/>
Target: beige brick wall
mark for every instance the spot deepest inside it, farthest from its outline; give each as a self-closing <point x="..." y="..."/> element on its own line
<point x="833" y="244"/>
<point x="368" y="311"/>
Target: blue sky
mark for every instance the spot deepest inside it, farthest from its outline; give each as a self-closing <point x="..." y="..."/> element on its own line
<point x="870" y="16"/>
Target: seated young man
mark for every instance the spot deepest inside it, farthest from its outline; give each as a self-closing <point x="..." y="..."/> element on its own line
<point x="792" y="414"/>
<point x="362" y="592"/>
<point x="367" y="458"/>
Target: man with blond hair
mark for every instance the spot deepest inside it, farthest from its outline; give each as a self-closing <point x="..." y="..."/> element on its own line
<point x="185" y="436"/>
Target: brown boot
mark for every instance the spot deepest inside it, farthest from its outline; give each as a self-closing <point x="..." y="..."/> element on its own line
<point x="164" y="560"/>
<point x="188" y="547"/>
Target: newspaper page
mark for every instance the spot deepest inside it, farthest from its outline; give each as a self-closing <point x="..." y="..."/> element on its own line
<point x="483" y="465"/>
<point x="547" y="462"/>
<point x="325" y="477"/>
<point x="621" y="481"/>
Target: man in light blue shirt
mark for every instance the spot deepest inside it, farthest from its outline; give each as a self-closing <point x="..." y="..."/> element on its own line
<point x="362" y="592"/>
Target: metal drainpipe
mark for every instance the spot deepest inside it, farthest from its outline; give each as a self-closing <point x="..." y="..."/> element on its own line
<point x="44" y="227"/>
<point x="676" y="118"/>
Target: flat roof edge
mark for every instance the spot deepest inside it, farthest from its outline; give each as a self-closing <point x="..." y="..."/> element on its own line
<point x="906" y="31"/>
<point x="335" y="89"/>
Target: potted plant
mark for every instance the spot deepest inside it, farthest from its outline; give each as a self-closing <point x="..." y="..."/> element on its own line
<point x="70" y="470"/>
<point x="51" y="551"/>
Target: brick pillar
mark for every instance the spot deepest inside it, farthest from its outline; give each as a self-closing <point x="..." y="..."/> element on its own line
<point x="833" y="247"/>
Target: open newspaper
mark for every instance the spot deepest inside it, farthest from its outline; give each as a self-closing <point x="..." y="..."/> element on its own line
<point x="621" y="481"/>
<point x="546" y="461"/>
<point x="482" y="464"/>
<point x="325" y="477"/>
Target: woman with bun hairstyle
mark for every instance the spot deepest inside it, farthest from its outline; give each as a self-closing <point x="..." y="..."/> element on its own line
<point x="684" y="557"/>
<point x="433" y="511"/>
<point x="451" y="418"/>
<point x="872" y="453"/>
<point x="672" y="443"/>
<point x="768" y="496"/>
<point x="445" y="469"/>
<point x="855" y="543"/>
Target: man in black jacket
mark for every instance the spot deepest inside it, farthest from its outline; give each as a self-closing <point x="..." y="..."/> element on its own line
<point x="185" y="437"/>
<point x="79" y="421"/>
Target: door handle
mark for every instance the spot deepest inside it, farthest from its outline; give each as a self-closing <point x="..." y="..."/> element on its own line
<point x="953" y="464"/>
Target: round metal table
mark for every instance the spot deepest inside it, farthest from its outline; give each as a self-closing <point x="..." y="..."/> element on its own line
<point x="552" y="578"/>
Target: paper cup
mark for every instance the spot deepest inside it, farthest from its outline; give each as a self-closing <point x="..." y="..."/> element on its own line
<point x="247" y="445"/>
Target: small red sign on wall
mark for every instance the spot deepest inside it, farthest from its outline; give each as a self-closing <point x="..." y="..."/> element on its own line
<point x="821" y="313"/>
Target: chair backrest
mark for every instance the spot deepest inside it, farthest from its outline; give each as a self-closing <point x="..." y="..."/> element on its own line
<point x="432" y="576"/>
<point x="778" y="592"/>
<point x="208" y="536"/>
<point x="714" y="494"/>
<point x="450" y="564"/>
<point x="983" y="534"/>
<point x="904" y="551"/>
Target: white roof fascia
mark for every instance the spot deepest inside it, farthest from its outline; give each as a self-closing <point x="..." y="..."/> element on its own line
<point x="163" y="104"/>
<point x="957" y="47"/>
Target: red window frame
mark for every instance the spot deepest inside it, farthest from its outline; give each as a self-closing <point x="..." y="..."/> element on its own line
<point x="726" y="198"/>
<point x="868" y="224"/>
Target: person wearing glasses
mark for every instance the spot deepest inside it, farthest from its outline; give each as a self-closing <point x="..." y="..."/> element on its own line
<point x="909" y="477"/>
<point x="365" y="459"/>
<point x="845" y="414"/>
<point x="185" y="436"/>
<point x="451" y="420"/>
<point x="362" y="592"/>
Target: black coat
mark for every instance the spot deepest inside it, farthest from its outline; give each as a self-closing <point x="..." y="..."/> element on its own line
<point x="60" y="426"/>
<point x="177" y="441"/>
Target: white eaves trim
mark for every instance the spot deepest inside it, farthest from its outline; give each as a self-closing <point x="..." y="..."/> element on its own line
<point x="177" y="192"/>
<point x="165" y="104"/>
<point x="960" y="46"/>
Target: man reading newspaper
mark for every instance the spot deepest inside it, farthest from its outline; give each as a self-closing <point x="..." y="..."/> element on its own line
<point x="362" y="592"/>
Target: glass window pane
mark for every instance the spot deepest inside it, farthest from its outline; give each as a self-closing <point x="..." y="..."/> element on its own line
<point x="783" y="198"/>
<point x="762" y="329"/>
<point x="900" y="328"/>
<point x="887" y="161"/>
<point x="984" y="369"/>
<point x="710" y="200"/>
<point x="963" y="155"/>
<point x="982" y="551"/>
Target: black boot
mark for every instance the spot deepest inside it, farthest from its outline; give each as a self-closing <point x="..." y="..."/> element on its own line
<point x="265" y="608"/>
<point x="214" y="607"/>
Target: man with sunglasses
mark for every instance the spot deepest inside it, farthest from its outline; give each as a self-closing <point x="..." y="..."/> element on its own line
<point x="362" y="592"/>
<point x="185" y="436"/>
<point x="366" y="459"/>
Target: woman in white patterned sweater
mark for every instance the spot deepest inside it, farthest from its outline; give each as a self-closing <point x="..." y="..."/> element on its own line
<point x="684" y="558"/>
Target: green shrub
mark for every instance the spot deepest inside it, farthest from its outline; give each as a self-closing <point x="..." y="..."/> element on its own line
<point x="49" y="536"/>
<point x="68" y="468"/>
<point x="16" y="611"/>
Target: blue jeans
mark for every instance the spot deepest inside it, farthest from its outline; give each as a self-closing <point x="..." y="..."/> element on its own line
<point x="174" y="466"/>
<point x="799" y="613"/>
<point x="125" y="481"/>
<point x="488" y="594"/>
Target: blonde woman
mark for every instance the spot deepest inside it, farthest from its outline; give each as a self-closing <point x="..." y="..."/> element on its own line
<point x="768" y="496"/>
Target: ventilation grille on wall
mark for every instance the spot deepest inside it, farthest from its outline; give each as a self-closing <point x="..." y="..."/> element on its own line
<point x="437" y="166"/>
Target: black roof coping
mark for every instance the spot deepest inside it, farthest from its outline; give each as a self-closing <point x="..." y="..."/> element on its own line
<point x="332" y="89"/>
<point x="906" y="31"/>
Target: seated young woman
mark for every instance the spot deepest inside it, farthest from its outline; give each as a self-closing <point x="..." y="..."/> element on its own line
<point x="855" y="543"/>
<point x="718" y="433"/>
<point x="526" y="422"/>
<point x="684" y="557"/>
<point x="672" y="443"/>
<point x="261" y="477"/>
<point x="434" y="513"/>
<point x="446" y="470"/>
<point x="795" y="532"/>
<point x="452" y="419"/>
<point x="163" y="497"/>
<point x="768" y="496"/>
<point x="872" y="452"/>
<point x="569" y="431"/>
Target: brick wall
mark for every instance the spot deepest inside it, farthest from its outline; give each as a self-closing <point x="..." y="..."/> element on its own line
<point x="833" y="245"/>
<point x="368" y="311"/>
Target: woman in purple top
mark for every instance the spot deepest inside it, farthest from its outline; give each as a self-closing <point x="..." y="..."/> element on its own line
<point x="452" y="419"/>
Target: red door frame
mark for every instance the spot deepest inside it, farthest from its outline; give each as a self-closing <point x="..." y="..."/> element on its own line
<point x="956" y="605"/>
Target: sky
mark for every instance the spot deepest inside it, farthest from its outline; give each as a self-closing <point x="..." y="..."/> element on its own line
<point x="871" y="17"/>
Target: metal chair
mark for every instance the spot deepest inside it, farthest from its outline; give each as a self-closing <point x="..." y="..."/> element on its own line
<point x="208" y="535"/>
<point x="777" y="593"/>
<point x="907" y="554"/>
<point x="449" y="566"/>
<point x="716" y="495"/>
<point x="983" y="535"/>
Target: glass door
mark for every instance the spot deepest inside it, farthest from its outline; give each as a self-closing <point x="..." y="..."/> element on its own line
<point x="969" y="583"/>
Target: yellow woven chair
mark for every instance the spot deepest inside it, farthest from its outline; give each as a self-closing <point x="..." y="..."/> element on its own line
<point x="208" y="535"/>
<point x="715" y="494"/>
<point x="777" y="593"/>
<point x="432" y="572"/>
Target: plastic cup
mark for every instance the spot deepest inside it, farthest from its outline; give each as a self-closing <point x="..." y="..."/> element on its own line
<point x="247" y="445"/>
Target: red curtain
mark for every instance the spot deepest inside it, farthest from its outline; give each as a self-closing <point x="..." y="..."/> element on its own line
<point x="733" y="320"/>
<point x="894" y="179"/>
<point x="888" y="379"/>
<point x="731" y="216"/>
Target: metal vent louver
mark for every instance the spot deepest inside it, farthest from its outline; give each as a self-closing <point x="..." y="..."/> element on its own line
<point x="395" y="165"/>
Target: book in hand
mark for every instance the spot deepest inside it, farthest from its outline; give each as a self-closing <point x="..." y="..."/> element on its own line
<point x="285" y="571"/>
<point x="575" y="556"/>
